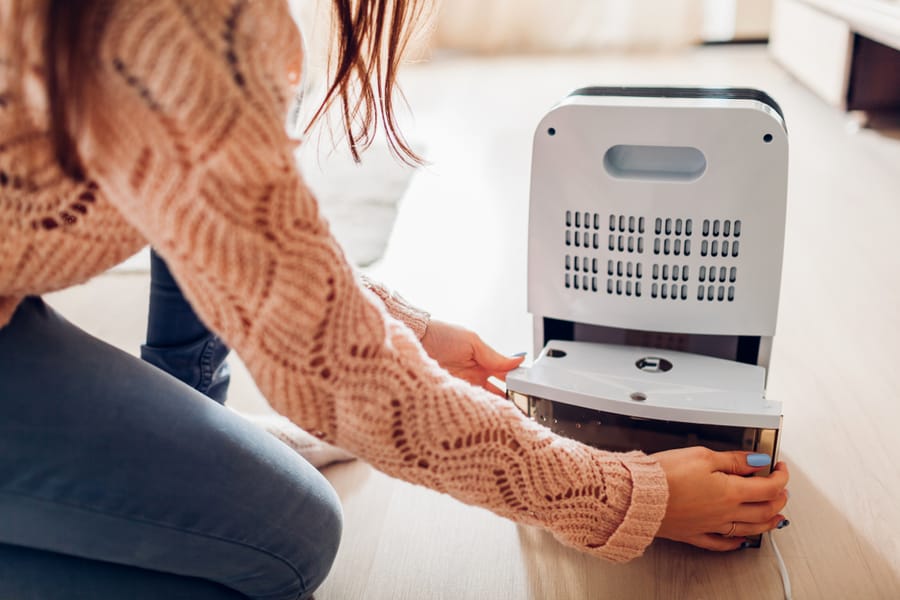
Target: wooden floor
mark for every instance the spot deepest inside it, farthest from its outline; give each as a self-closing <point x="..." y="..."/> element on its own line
<point x="458" y="249"/>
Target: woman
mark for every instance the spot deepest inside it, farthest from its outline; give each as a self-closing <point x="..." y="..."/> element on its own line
<point x="163" y="122"/>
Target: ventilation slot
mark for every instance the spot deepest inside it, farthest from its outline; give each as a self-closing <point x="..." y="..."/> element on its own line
<point x="672" y="236"/>
<point x="626" y="234"/>
<point x="581" y="273"/>
<point x="594" y="241"/>
<point x="582" y="230"/>
<point x="585" y="243"/>
<point x="671" y="272"/>
<point x="715" y="293"/>
<point x="724" y="228"/>
<point x="583" y="239"/>
<point x="667" y="291"/>
<point x="714" y="274"/>
<point x="721" y="229"/>
<point x="624" y="278"/>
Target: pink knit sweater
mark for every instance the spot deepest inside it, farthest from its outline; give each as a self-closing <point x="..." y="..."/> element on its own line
<point x="186" y="149"/>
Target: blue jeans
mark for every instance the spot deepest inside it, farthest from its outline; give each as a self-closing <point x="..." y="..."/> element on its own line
<point x="178" y="342"/>
<point x="118" y="480"/>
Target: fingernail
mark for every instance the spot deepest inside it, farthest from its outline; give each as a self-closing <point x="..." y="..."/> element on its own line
<point x="784" y="523"/>
<point x="519" y="354"/>
<point x="787" y="493"/>
<point x="758" y="460"/>
<point x="745" y="545"/>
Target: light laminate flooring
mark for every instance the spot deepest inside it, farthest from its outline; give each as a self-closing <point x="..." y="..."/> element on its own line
<point x="459" y="250"/>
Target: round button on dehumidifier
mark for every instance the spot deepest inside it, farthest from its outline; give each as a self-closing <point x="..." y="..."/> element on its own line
<point x="654" y="364"/>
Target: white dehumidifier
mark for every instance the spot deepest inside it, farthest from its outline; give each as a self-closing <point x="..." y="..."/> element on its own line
<point x="656" y="233"/>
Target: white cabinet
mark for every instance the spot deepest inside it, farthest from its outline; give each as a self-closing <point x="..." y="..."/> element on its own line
<point x="847" y="52"/>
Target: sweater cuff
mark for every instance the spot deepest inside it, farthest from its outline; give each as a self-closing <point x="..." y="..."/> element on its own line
<point x="8" y="305"/>
<point x="649" y="498"/>
<point x="398" y="307"/>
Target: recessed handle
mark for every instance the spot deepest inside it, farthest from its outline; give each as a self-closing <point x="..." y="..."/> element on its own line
<point x="655" y="163"/>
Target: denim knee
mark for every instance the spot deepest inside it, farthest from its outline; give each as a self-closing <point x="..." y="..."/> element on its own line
<point x="296" y="532"/>
<point x="312" y="536"/>
<point x="330" y="520"/>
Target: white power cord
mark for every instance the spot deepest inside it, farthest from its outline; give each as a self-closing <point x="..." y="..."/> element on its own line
<point x="785" y="579"/>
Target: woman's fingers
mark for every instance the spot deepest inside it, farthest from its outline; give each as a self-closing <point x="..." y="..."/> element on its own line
<point x="747" y="529"/>
<point x="740" y="463"/>
<point x="781" y="467"/>
<point x="494" y="389"/>
<point x="706" y="488"/>
<point x="492" y="361"/>
<point x="723" y="542"/>
<point x="501" y="375"/>
<point x="759" y="512"/>
<point x="762" y="489"/>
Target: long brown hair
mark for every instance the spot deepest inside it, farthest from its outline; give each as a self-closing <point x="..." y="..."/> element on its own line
<point x="370" y="39"/>
<point x="372" y="36"/>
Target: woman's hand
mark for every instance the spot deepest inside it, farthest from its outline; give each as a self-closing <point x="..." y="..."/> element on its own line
<point x="712" y="505"/>
<point x="463" y="354"/>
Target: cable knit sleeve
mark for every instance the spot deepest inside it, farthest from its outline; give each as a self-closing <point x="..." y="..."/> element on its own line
<point x="187" y="138"/>
<point x="399" y="308"/>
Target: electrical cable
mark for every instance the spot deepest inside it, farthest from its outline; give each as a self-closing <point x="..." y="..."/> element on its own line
<point x="782" y="569"/>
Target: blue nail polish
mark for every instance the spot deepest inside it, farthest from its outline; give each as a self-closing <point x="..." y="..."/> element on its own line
<point x="518" y="354"/>
<point x="784" y="523"/>
<point x="758" y="460"/>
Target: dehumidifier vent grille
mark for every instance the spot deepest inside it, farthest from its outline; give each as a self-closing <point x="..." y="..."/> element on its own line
<point x="671" y="272"/>
<point x="626" y="234"/>
<point x="720" y="238"/>
<point x="582" y="229"/>
<point x="587" y="253"/>
<point x="711" y="275"/>
<point x="673" y="236"/>
<point x="714" y="293"/>
<point x="624" y="278"/>
<point x="581" y="273"/>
